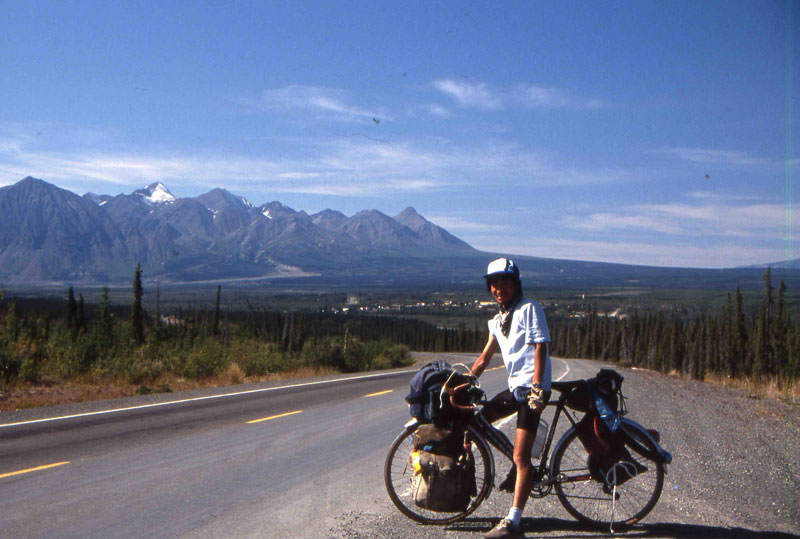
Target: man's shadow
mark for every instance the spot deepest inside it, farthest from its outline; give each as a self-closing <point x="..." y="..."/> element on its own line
<point x="573" y="529"/>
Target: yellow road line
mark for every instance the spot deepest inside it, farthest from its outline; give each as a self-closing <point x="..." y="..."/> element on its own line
<point x="29" y="470"/>
<point x="274" y="416"/>
<point x="496" y="368"/>
<point x="379" y="393"/>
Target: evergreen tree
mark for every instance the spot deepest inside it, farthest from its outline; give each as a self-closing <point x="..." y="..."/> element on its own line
<point x="727" y="340"/>
<point x="72" y="311"/>
<point x="105" y="319"/>
<point x="780" y="335"/>
<point x="792" y="351"/>
<point x="215" y="326"/>
<point x="762" y="359"/>
<point x="761" y="356"/>
<point x="739" y="359"/>
<point x="137" y="312"/>
<point x="80" y="316"/>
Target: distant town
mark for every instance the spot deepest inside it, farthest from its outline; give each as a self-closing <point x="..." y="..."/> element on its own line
<point x="465" y="307"/>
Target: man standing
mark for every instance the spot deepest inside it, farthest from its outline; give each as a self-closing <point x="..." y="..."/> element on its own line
<point x="520" y="333"/>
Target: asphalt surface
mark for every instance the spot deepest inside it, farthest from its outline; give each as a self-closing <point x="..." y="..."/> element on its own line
<point x="304" y="459"/>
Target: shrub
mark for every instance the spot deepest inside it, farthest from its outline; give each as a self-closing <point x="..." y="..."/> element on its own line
<point x="204" y="361"/>
<point x="265" y="362"/>
<point x="326" y="352"/>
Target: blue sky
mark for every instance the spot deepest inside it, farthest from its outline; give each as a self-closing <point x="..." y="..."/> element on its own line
<point x="654" y="132"/>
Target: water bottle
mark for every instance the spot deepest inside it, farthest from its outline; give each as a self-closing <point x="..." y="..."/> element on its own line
<point x="541" y="437"/>
<point x="606" y="413"/>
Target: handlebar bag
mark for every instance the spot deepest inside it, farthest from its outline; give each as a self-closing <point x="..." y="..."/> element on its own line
<point x="425" y="399"/>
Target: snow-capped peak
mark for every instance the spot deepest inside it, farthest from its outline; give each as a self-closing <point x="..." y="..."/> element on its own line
<point x="156" y="193"/>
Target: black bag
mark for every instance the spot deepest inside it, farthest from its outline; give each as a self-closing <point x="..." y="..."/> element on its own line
<point x="607" y="384"/>
<point x="609" y="461"/>
<point x="425" y="400"/>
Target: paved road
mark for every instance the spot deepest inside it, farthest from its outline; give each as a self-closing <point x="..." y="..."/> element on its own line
<point x="281" y="461"/>
<point x="299" y="459"/>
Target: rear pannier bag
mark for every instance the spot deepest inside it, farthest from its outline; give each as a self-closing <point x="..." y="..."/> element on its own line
<point x="441" y="482"/>
<point x="609" y="461"/>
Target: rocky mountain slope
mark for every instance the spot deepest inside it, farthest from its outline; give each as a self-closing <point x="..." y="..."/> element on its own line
<point x="50" y="234"/>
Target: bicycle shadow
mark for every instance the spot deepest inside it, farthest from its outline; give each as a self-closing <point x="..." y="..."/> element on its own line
<point x="573" y="529"/>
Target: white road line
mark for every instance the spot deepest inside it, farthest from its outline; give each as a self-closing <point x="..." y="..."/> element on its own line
<point x="157" y="404"/>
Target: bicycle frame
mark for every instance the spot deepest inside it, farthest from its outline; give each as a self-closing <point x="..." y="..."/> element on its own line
<point x="500" y="441"/>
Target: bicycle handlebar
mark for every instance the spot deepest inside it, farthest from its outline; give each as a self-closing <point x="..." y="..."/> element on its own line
<point x="454" y="404"/>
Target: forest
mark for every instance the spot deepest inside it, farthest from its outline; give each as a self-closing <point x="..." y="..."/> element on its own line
<point x="53" y="341"/>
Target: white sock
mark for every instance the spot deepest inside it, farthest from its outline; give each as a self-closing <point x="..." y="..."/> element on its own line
<point x="515" y="515"/>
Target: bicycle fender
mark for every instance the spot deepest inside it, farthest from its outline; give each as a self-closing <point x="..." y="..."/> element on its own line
<point x="412" y="424"/>
<point x="630" y="425"/>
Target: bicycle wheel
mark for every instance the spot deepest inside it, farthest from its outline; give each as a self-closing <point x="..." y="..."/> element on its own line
<point x="591" y="501"/>
<point x="398" y="473"/>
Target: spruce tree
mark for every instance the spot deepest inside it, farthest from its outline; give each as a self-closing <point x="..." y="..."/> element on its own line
<point x="80" y="317"/>
<point x="739" y="358"/>
<point x="762" y="359"/>
<point x="137" y="312"/>
<point x="106" y="321"/>
<point x="215" y="326"/>
<point x="780" y="335"/>
<point x="72" y="311"/>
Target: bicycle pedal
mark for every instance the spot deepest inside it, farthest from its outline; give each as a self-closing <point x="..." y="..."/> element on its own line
<point x="508" y="484"/>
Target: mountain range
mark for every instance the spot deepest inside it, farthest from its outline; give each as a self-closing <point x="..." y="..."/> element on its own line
<point x="49" y="235"/>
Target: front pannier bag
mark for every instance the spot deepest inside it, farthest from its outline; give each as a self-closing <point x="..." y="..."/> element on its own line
<point x="444" y="472"/>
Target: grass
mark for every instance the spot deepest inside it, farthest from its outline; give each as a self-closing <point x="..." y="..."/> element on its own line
<point x="92" y="388"/>
<point x="771" y="387"/>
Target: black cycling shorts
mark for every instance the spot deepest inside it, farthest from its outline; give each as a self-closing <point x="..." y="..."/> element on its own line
<point x="504" y="404"/>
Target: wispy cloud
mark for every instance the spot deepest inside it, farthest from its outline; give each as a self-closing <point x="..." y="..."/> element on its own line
<point x="438" y="110"/>
<point x="719" y="197"/>
<point x="533" y="96"/>
<point x="456" y="224"/>
<point x="345" y="166"/>
<point x="722" y="254"/>
<point x="599" y="222"/>
<point x="758" y="221"/>
<point x="481" y="95"/>
<point x="711" y="156"/>
<point x="331" y="101"/>
<point x="471" y="95"/>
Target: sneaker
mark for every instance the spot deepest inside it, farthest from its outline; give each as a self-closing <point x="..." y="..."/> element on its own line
<point x="505" y="529"/>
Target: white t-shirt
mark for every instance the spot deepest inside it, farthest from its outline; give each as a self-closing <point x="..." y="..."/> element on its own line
<point x="528" y="327"/>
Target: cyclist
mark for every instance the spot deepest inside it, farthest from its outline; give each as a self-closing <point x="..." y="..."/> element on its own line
<point x="519" y="332"/>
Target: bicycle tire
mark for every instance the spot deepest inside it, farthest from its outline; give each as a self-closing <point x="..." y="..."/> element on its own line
<point x="397" y="474"/>
<point x="586" y="499"/>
